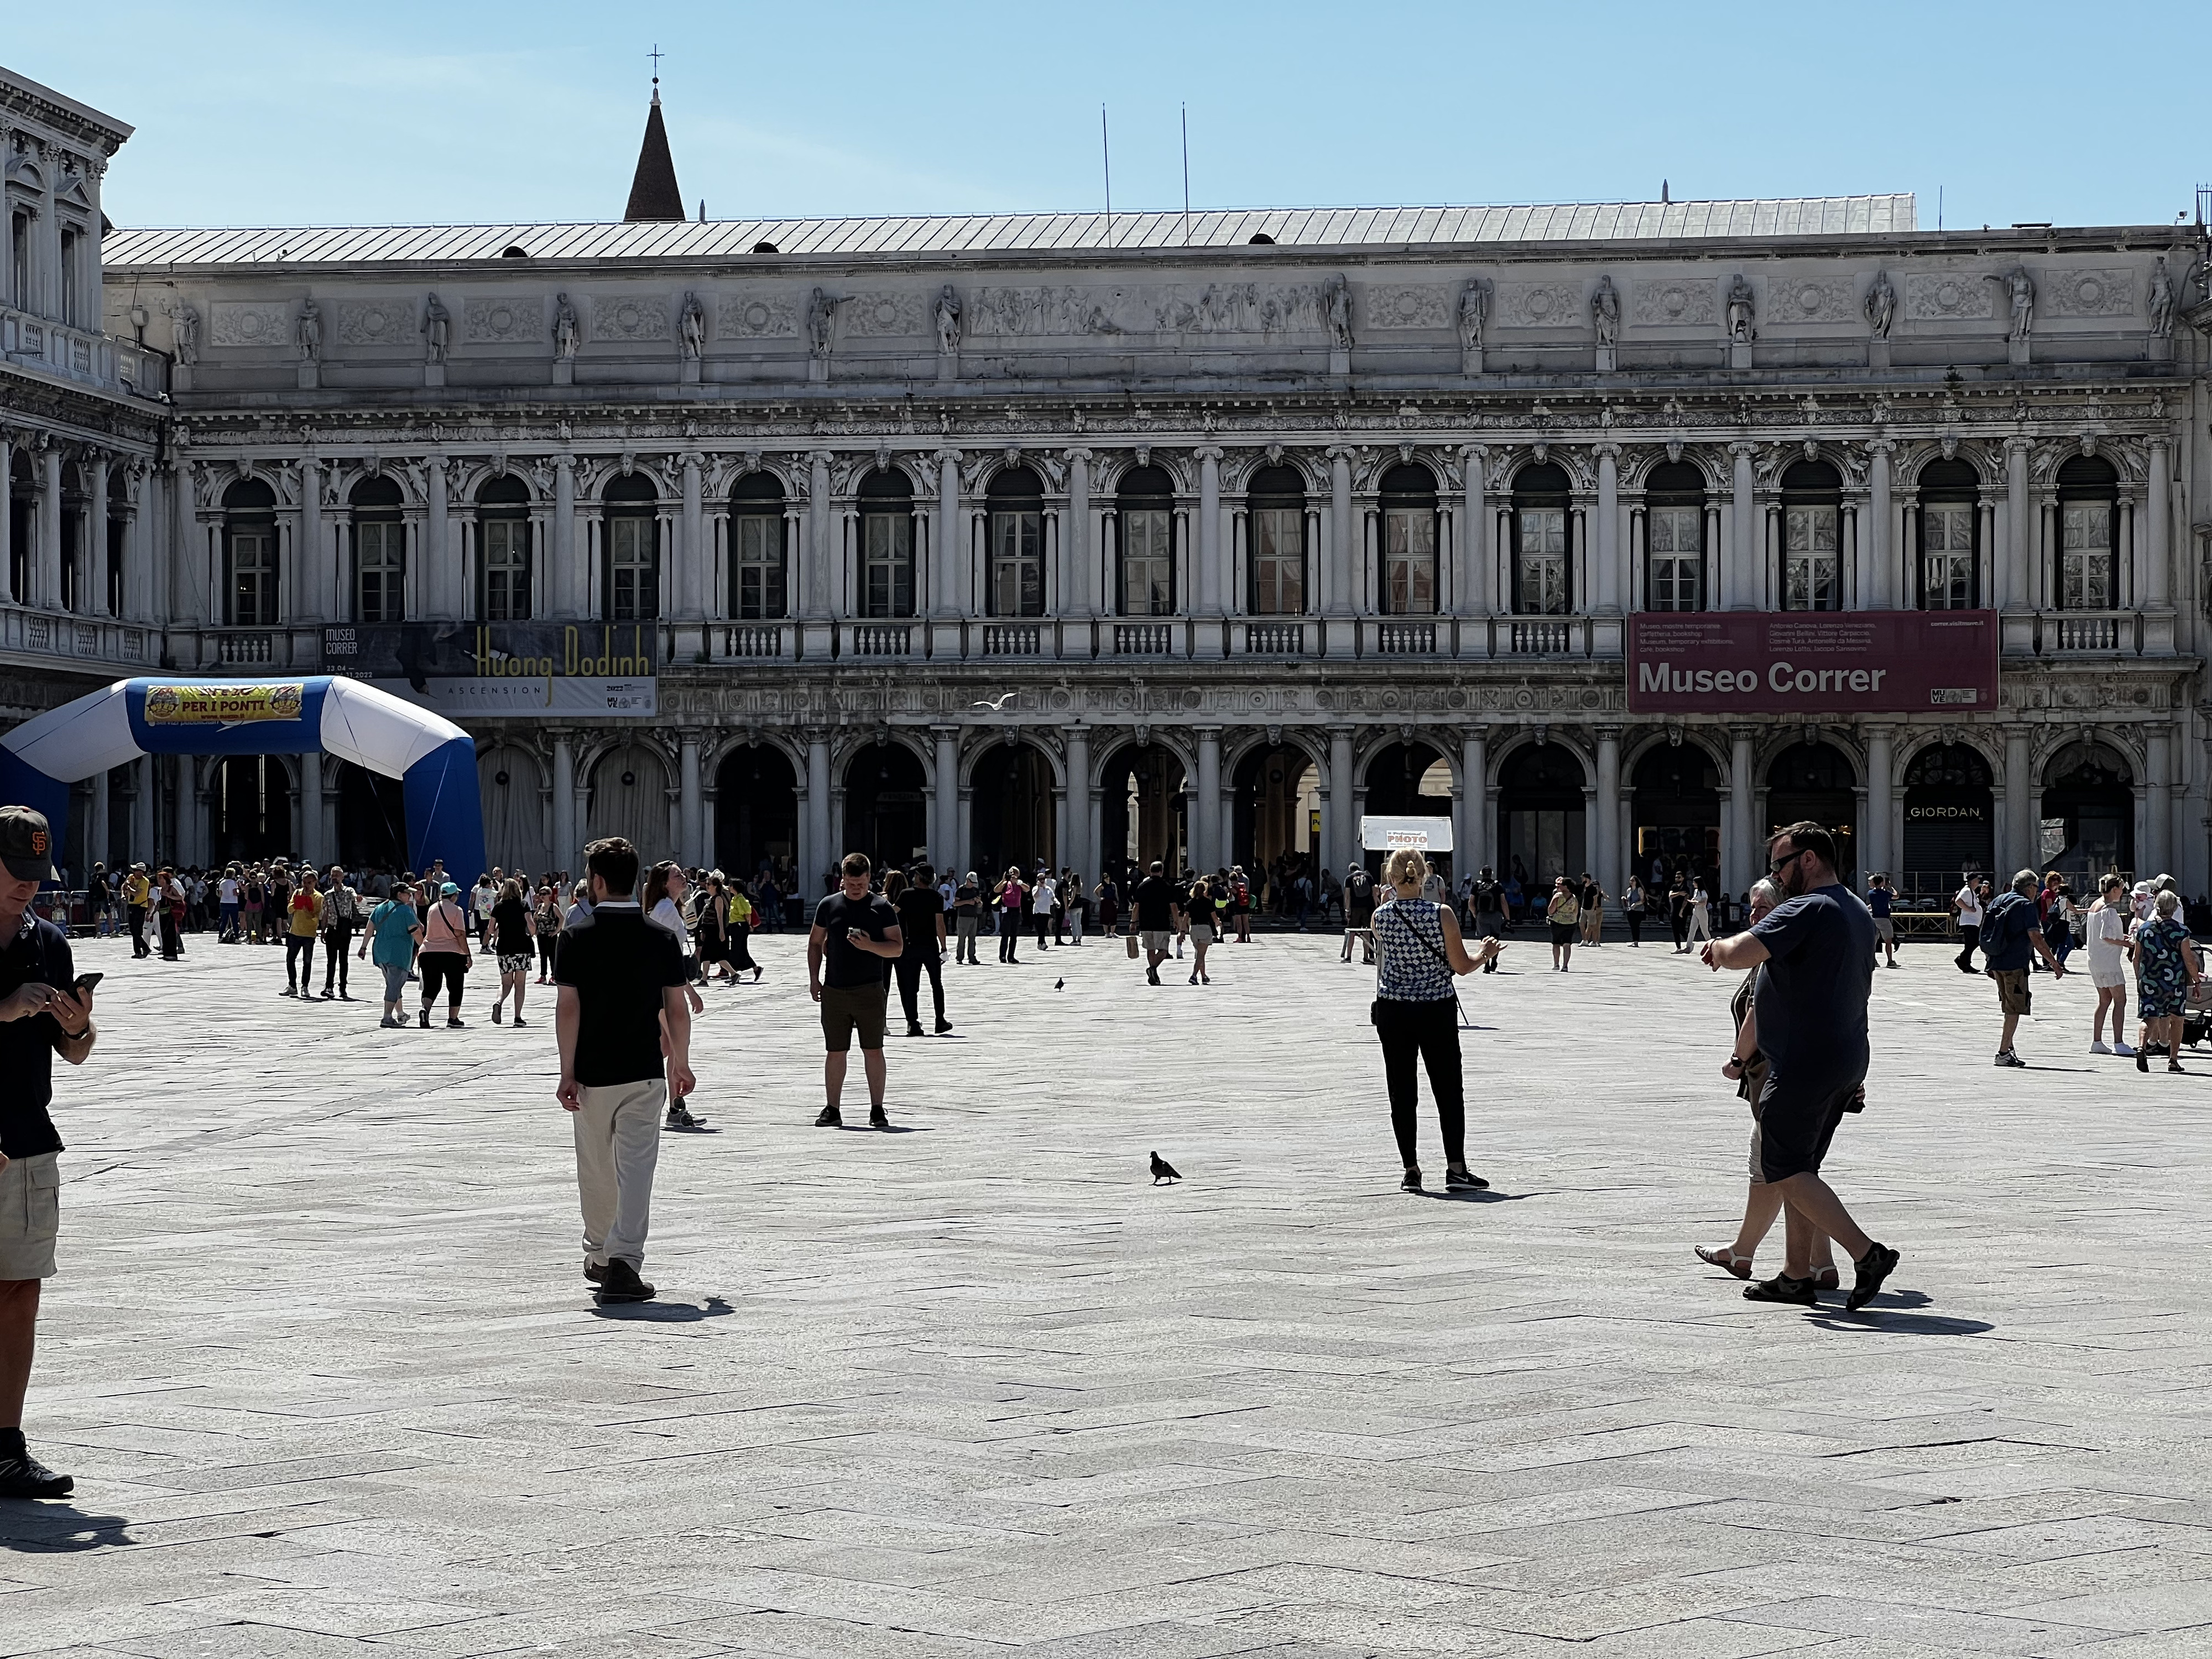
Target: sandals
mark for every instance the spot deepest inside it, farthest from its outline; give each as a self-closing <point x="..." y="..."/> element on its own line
<point x="1725" y="1259"/>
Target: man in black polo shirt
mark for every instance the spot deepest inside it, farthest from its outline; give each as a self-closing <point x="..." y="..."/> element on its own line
<point x="856" y="938"/>
<point x="42" y="1012"/>
<point x="623" y="980"/>
<point x="1155" y="899"/>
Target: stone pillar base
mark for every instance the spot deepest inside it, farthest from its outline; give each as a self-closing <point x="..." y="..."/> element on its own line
<point x="817" y="371"/>
<point x="1340" y="363"/>
<point x="1605" y="359"/>
<point x="1877" y="354"/>
<point x="2017" y="351"/>
<point x="2161" y="348"/>
<point x="180" y="377"/>
<point x="434" y="374"/>
<point x="310" y="376"/>
<point x="687" y="372"/>
<point x="948" y="365"/>
<point x="564" y="371"/>
<point x="1470" y="360"/>
<point x="1739" y="354"/>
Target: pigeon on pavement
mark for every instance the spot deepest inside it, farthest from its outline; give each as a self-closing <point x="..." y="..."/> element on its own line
<point x="1163" y="1170"/>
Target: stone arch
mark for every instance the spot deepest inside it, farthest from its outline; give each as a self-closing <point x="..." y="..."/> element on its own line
<point x="1640" y="461"/>
<point x="629" y="781"/>
<point x="764" y="824"/>
<point x="1694" y="737"/>
<point x="515" y="787"/>
<point x="2126" y="741"/>
<point x="1542" y="804"/>
<point x="1310" y="465"/>
<point x="1526" y="737"/>
<point x="1918" y="739"/>
<point x="885" y="784"/>
<point x="1130" y="765"/>
<point x="974" y="753"/>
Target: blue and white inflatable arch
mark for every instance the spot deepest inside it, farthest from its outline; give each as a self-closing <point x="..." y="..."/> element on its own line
<point x="433" y="758"/>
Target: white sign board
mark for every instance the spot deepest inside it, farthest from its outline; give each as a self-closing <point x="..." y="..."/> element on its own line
<point x="1422" y="835"/>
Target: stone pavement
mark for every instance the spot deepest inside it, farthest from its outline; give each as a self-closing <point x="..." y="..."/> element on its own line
<point x="323" y="1364"/>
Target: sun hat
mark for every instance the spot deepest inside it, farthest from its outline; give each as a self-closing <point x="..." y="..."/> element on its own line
<point x="449" y="890"/>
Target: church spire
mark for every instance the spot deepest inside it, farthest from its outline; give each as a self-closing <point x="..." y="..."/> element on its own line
<point x="653" y="191"/>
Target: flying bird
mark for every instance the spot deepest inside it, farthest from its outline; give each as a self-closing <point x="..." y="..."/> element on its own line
<point x="1163" y="1170"/>
<point x="997" y="705"/>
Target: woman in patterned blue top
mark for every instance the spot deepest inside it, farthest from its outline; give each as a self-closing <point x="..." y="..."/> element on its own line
<point x="1418" y="955"/>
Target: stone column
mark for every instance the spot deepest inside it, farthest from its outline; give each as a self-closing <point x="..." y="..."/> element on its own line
<point x="1210" y="584"/>
<point x="1878" y="585"/>
<point x="1608" y="550"/>
<point x="1879" y="854"/>
<point x="567" y="852"/>
<point x="1206" y="837"/>
<point x="188" y="575"/>
<point x="1342" y="833"/>
<point x="2157" y="803"/>
<point x="564" y="581"/>
<point x="48" y="592"/>
<point x="7" y="518"/>
<point x="315" y="586"/>
<point x="822" y="523"/>
<point x="436" y="585"/>
<point x="1605" y="811"/>
<point x="1739" y="583"/>
<point x="2014" y="591"/>
<point x="1081" y="599"/>
<point x="690" y="802"/>
<point x="1075" y="846"/>
<point x="819" y="851"/>
<point x="1337" y="596"/>
<point x="310" y="811"/>
<point x="141" y="847"/>
<point x="1474" y="789"/>
<point x="696" y="555"/>
<point x="2158" y="555"/>
<point x="1739" y="851"/>
<point x="944" y="847"/>
<point x="948" y="583"/>
<point x="2020" y="817"/>
<point x="92" y="553"/>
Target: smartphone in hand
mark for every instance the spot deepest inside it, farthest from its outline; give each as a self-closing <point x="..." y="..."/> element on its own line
<point x="86" y="981"/>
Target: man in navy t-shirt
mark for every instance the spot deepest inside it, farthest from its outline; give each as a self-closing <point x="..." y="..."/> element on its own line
<point x="1878" y="902"/>
<point x="1818" y="947"/>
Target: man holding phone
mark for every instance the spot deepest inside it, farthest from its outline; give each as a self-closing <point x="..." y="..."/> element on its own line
<point x="45" y="1009"/>
<point x="855" y="939"/>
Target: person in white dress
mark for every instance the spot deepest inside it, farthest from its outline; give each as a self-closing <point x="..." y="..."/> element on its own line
<point x="1700" y="919"/>
<point x="1042" y="898"/>
<point x="2109" y="919"/>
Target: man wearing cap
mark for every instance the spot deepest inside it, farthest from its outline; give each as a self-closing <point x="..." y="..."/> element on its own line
<point x="41" y="1013"/>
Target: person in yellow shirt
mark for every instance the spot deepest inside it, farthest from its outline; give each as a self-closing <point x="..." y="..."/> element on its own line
<point x="135" y="887"/>
<point x="300" y="939"/>
<point x="742" y="918"/>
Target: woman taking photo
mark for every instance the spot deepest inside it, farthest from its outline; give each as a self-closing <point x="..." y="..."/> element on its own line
<point x="1565" y="914"/>
<point x="1011" y="894"/>
<point x="1418" y="954"/>
<point x="547" y="932"/>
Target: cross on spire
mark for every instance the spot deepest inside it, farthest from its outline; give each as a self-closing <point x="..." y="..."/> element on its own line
<point x="656" y="54"/>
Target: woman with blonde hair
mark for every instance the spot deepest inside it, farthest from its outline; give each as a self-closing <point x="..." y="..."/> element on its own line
<point x="1202" y="908"/>
<point x="1419" y="955"/>
<point x="511" y="929"/>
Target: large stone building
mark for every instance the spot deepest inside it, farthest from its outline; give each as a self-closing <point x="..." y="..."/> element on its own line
<point x="1049" y="536"/>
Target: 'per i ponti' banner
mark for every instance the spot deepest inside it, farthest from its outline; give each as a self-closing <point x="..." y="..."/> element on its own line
<point x="1799" y="662"/>
<point x="503" y="668"/>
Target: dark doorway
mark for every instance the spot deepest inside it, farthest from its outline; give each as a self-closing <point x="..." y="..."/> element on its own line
<point x="372" y="819"/>
<point x="1542" y="818"/>
<point x="1142" y="809"/>
<point x="887" y="805"/>
<point x="2090" y="808"/>
<point x="1815" y="782"/>
<point x="249" y="808"/>
<point x="1276" y="794"/>
<point x="1408" y="781"/>
<point x="1012" y="815"/>
<point x="755" y="812"/>
<point x="1950" y="821"/>
<point x="1676" y="817"/>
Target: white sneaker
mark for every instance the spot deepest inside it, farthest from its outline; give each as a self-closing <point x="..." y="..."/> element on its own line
<point x="2099" y="1048"/>
<point x="2123" y="1051"/>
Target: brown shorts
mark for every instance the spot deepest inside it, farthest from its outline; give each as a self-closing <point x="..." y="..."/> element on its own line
<point x="2013" y="996"/>
<point x="849" y="1008"/>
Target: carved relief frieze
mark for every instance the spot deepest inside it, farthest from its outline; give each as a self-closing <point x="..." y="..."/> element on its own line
<point x="642" y="318"/>
<point x="895" y="315"/>
<point x="249" y="323"/>
<point x="1400" y="305"/>
<point x="378" y="323"/>
<point x="1674" y="303"/>
<point x="755" y="316"/>
<point x="1539" y="305"/>
<point x="1174" y="308"/>
<point x="2093" y="292"/>
<point x="1956" y="296"/>
<point x="503" y="322"/>
<point x="1811" y="299"/>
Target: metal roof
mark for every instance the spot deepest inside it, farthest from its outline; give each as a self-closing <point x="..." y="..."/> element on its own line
<point x="1808" y="216"/>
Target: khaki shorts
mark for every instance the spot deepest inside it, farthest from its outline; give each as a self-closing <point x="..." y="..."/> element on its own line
<point x="1885" y="930"/>
<point x="1201" y="935"/>
<point x="2012" y="990"/>
<point x="30" y="1216"/>
<point x="1157" y="938"/>
<point x="849" y="1008"/>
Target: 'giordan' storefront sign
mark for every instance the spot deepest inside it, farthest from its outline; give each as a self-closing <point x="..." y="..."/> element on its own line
<point x="503" y="668"/>
<point x="1798" y="662"/>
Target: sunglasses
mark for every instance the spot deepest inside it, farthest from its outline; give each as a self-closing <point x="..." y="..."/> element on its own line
<point x="1780" y="865"/>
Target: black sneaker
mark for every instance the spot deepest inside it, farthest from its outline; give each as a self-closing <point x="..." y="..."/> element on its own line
<point x="915" y="1030"/>
<point x="496" y="1011"/>
<point x="831" y="1118"/>
<point x="330" y="996"/>
<point x="1802" y="1292"/>
<point x="877" y="1120"/>
<point x="1876" y="1264"/>
<point x="423" y="1019"/>
<point x="680" y="1117"/>
<point x="943" y="1026"/>
<point x="620" y="1283"/>
<point x="1412" y="1183"/>
<point x="1466" y="1180"/>
<point x="22" y="1475"/>
<point x="1152" y="976"/>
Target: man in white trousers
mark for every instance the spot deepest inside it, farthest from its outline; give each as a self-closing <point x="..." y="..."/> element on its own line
<point x="622" y="981"/>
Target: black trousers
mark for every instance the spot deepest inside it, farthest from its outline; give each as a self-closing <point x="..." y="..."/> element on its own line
<point x="1965" y="957"/>
<point x="172" y="944"/>
<point x="1010" y="934"/>
<point x="335" y="951"/>
<point x="1430" y="1032"/>
<point x="910" y="970"/>
<point x="299" y="949"/>
<point x="1635" y="919"/>
<point x="446" y="966"/>
<point x="137" y="913"/>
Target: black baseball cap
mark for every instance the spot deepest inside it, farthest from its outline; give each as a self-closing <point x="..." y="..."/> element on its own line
<point x="27" y="845"/>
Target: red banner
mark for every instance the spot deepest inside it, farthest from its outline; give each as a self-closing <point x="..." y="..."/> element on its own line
<point x="1805" y="662"/>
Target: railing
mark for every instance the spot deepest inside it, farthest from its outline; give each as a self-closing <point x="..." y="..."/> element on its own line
<point x="1144" y="639"/>
<point x="79" y="354"/>
<point x="1012" y="640"/>
<point x="255" y="650"/>
<point x="2089" y="633"/>
<point x="82" y="639"/>
<point x="882" y="639"/>
<point x="1274" y="639"/>
<point x="1545" y="637"/>
<point x="1406" y="639"/>
<point x="740" y="640"/>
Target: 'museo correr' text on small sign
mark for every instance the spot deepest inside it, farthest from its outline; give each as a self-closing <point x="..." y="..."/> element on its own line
<point x="1750" y="662"/>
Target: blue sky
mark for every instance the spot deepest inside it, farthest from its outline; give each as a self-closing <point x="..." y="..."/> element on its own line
<point x="409" y="113"/>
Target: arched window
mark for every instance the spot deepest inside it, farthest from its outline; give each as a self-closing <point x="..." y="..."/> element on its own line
<point x="632" y="549"/>
<point x="379" y="552"/>
<point x="1145" y="506"/>
<point x="1674" y="538"/>
<point x="503" y="550"/>
<point x="1812" y="511"/>
<point x="2089" y="535"/>
<point x="1276" y="501"/>
<point x="757" y="561"/>
<point x="249" y="555"/>
<point x="1950" y="536"/>
<point x="1016" y="543"/>
<point x="887" y="544"/>
<point x="1543" y="551"/>
<point x="1408" y="500"/>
